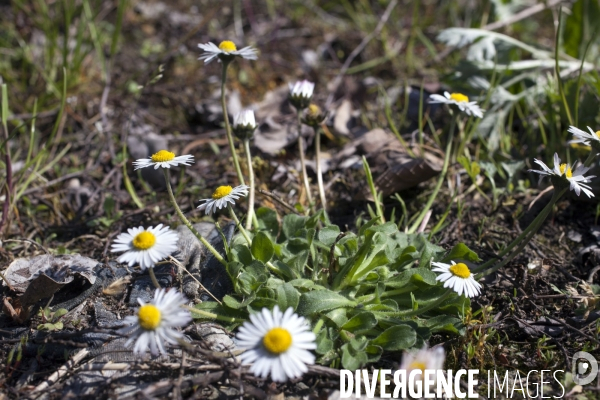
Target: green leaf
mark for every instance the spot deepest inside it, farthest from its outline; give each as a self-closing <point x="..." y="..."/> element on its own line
<point x="267" y="221"/>
<point x="328" y="234"/>
<point x="292" y="223"/>
<point x="324" y="344"/>
<point x="302" y="283"/>
<point x="373" y="353"/>
<point x="427" y="249"/>
<point x="337" y="316"/>
<point x="234" y="303"/>
<point x="322" y="300"/>
<point x="353" y="359"/>
<point x="360" y="322"/>
<point x="396" y="338"/>
<point x="222" y="311"/>
<point x="412" y="276"/>
<point x="242" y="253"/>
<point x="579" y="26"/>
<point x="462" y="252"/>
<point x="59" y="313"/>
<point x="262" y="247"/>
<point x="445" y="323"/>
<point x="287" y="296"/>
<point x="285" y="270"/>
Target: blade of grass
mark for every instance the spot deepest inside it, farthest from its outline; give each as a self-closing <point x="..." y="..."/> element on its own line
<point x="561" y="89"/>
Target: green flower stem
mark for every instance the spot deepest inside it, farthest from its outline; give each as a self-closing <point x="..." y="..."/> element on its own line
<point x="210" y="315"/>
<point x="523" y="238"/>
<point x="187" y="223"/>
<point x="274" y="268"/>
<point x="302" y="159"/>
<point x="437" y="188"/>
<point x="371" y="183"/>
<point x="153" y="278"/>
<point x="251" y="217"/>
<point x="319" y="172"/>
<point x="236" y="162"/>
<point x="370" y="297"/>
<point x="318" y="326"/>
<point x="590" y="157"/>
<point x="241" y="228"/>
<point x="423" y="309"/>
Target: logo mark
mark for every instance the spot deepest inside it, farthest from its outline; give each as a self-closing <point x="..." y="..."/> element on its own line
<point x="584" y="368"/>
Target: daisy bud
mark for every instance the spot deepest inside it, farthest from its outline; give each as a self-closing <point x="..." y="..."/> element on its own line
<point x="301" y="93"/>
<point x="244" y="124"/>
<point x="313" y="115"/>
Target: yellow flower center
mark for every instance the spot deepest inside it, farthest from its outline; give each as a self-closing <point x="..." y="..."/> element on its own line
<point x="598" y="134"/>
<point x="149" y="317"/>
<point x="163" y="156"/>
<point x="417" y="365"/>
<point x="459" y="97"/>
<point x="144" y="240"/>
<point x="460" y="270"/>
<point x="314" y="110"/>
<point x="567" y="171"/>
<point x="227" y="46"/>
<point x="277" y="340"/>
<point x="221" y="192"/>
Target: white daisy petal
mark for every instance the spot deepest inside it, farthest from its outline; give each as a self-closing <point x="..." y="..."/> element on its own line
<point x="574" y="175"/>
<point x="458" y="277"/>
<point x="301" y="93"/>
<point x="145" y="247"/>
<point x="580" y="136"/>
<point x="280" y="342"/>
<point x="460" y="101"/>
<point x="423" y="359"/>
<point x="225" y="49"/>
<point x="223" y="195"/>
<point x="155" y="323"/>
<point x="163" y="159"/>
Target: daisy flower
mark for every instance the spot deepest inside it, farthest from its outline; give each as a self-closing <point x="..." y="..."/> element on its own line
<point x="424" y="359"/>
<point x="163" y="159"/>
<point x="313" y="115"/>
<point x="278" y="344"/>
<point x="145" y="247"/>
<point x="222" y="196"/>
<point x="244" y="124"/>
<point x="226" y="51"/>
<point x="577" y="182"/>
<point x="587" y="139"/>
<point x="300" y="93"/>
<point x="458" y="277"/>
<point x="546" y="171"/>
<point x="153" y="324"/>
<point x="459" y="100"/>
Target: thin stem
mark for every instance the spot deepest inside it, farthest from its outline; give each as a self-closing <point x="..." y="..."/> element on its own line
<point x="302" y="162"/>
<point x="7" y="160"/>
<point x="426" y="308"/>
<point x="187" y="223"/>
<point x="251" y="217"/>
<point x="437" y="188"/>
<point x="236" y="162"/>
<point x="207" y="314"/>
<point x="319" y="172"/>
<point x="590" y="157"/>
<point x="153" y="278"/>
<point x="374" y="193"/>
<point x="241" y="228"/>
<point x="181" y="266"/>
